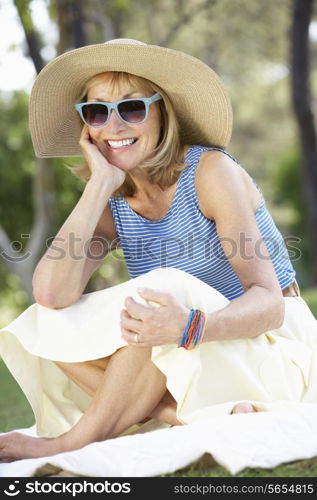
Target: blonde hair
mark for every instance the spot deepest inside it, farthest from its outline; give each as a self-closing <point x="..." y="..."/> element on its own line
<point x="167" y="162"/>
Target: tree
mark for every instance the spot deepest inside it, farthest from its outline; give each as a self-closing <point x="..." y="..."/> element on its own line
<point x="72" y="33"/>
<point x="234" y="41"/>
<point x="76" y="21"/>
<point x="43" y="199"/>
<point x="302" y="103"/>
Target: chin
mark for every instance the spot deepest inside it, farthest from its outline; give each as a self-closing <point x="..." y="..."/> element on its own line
<point x="123" y="165"/>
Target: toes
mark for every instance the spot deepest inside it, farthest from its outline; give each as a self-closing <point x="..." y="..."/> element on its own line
<point x="9" y="445"/>
<point x="243" y="408"/>
<point x="4" y="458"/>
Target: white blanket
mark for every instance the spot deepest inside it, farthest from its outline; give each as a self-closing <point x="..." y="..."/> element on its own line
<point x="264" y="439"/>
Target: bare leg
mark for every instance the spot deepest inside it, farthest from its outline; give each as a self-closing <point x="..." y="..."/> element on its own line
<point x="88" y="376"/>
<point x="166" y="410"/>
<point x="130" y="389"/>
<point x="132" y="386"/>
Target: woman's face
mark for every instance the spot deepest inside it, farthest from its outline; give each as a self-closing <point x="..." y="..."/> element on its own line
<point x="146" y="134"/>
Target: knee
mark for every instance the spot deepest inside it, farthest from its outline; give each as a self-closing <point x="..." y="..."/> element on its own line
<point x="62" y="366"/>
<point x="133" y="352"/>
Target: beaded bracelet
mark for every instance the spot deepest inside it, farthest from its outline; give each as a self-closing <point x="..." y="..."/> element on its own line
<point x="194" y="330"/>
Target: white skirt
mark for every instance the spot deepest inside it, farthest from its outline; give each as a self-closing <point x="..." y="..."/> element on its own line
<point x="275" y="370"/>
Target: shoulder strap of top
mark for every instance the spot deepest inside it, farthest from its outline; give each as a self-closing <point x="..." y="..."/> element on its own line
<point x="194" y="153"/>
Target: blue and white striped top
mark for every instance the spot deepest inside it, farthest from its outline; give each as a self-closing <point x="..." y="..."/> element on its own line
<point x="185" y="239"/>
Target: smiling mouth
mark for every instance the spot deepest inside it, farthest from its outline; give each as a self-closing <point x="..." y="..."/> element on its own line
<point x="121" y="143"/>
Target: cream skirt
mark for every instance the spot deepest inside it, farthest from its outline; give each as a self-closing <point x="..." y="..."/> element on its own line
<point x="275" y="370"/>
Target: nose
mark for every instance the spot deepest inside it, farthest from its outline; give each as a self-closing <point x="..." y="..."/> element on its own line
<point x="114" y="123"/>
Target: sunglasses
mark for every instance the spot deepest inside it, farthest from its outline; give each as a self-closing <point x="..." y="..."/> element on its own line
<point x="97" y="114"/>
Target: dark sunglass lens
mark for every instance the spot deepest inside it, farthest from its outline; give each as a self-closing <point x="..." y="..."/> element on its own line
<point x="95" y="114"/>
<point x="132" y="111"/>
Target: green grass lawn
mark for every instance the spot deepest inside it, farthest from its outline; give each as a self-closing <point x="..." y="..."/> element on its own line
<point x="310" y="295"/>
<point x="15" y="412"/>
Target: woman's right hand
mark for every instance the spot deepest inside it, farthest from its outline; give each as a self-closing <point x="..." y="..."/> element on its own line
<point x="98" y="163"/>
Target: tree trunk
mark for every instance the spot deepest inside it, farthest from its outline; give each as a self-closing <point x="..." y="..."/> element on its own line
<point x="301" y="96"/>
<point x="31" y="36"/>
<point x="43" y="185"/>
<point x="71" y="23"/>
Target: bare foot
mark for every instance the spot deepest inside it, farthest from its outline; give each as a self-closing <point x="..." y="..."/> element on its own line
<point x="15" y="446"/>
<point x="243" y="408"/>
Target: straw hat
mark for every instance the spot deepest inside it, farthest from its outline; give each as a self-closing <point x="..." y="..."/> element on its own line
<point x="200" y="100"/>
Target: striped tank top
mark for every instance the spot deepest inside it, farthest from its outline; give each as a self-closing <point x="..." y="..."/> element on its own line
<point x="185" y="239"/>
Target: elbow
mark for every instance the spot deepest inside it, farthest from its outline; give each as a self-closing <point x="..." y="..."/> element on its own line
<point x="51" y="301"/>
<point x="45" y="299"/>
<point x="41" y="294"/>
<point x="53" y="297"/>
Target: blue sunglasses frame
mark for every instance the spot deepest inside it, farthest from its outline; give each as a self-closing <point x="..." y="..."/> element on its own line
<point x="114" y="105"/>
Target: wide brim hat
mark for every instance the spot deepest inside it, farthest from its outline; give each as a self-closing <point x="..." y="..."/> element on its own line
<point x="197" y="93"/>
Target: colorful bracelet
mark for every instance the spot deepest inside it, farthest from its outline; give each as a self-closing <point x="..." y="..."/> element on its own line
<point x="194" y="330"/>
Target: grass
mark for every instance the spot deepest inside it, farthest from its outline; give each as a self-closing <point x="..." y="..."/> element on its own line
<point x="15" y="412"/>
<point x="206" y="468"/>
<point x="310" y="296"/>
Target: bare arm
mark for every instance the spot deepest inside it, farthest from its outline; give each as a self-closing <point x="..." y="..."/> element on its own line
<point x="63" y="272"/>
<point x="261" y="307"/>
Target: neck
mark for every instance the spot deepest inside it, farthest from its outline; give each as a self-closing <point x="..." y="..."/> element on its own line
<point x="144" y="188"/>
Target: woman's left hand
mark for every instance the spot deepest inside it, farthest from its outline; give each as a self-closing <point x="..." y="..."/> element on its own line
<point x="146" y="325"/>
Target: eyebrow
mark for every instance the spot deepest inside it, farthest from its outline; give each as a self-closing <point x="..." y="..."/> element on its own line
<point x="124" y="97"/>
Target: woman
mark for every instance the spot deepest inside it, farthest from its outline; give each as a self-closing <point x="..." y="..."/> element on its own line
<point x="212" y="321"/>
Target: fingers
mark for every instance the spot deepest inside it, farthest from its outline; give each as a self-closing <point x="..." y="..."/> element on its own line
<point x="132" y="338"/>
<point x="84" y="135"/>
<point x="130" y="323"/>
<point x="162" y="298"/>
<point x="136" y="310"/>
<point x="85" y="140"/>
